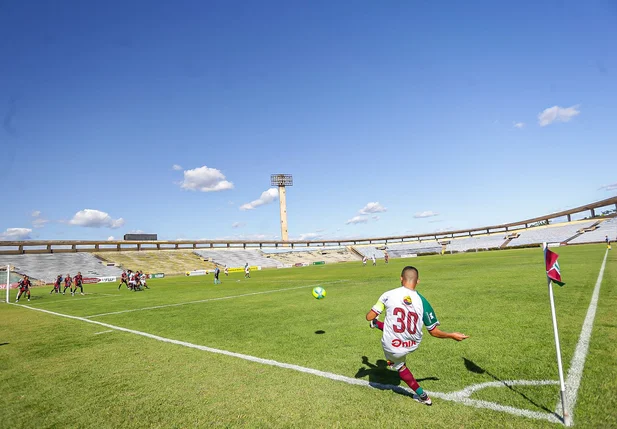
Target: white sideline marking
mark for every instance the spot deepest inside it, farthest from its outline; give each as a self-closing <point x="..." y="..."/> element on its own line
<point x="211" y="299"/>
<point x="577" y="364"/>
<point x="103" y="332"/>
<point x="461" y="396"/>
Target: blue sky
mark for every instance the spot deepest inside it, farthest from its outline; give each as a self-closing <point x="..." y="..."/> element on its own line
<point x="478" y="112"/>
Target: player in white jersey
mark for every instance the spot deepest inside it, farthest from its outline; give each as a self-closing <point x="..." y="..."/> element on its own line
<point x="406" y="312"/>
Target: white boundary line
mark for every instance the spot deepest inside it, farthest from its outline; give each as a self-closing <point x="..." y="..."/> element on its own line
<point x="462" y="396"/>
<point x="577" y="364"/>
<point x="211" y="299"/>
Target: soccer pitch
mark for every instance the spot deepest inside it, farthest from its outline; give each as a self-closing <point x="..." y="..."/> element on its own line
<point x="262" y="352"/>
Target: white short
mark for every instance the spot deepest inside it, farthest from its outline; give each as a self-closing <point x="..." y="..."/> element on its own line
<point x="398" y="358"/>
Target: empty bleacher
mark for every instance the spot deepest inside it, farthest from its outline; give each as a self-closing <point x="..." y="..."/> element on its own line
<point x="46" y="267"/>
<point x="157" y="261"/>
<point x="480" y="242"/>
<point x="239" y="257"/>
<point x="608" y="227"/>
<point x="369" y="251"/>
<point x="311" y="254"/>
<point x="405" y="249"/>
<point x="556" y="233"/>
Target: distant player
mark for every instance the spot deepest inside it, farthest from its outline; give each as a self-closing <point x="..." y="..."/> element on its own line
<point x="247" y="271"/>
<point x="364" y="259"/>
<point x="373" y="259"/>
<point x="123" y="280"/>
<point x="217" y="272"/>
<point x="24" y="287"/>
<point x="386" y="257"/>
<point x="406" y="311"/>
<point x="68" y="284"/>
<point x="226" y="270"/>
<point x="608" y="242"/>
<point x="79" y="283"/>
<point x="57" y="285"/>
<point x="142" y="279"/>
<point x="131" y="280"/>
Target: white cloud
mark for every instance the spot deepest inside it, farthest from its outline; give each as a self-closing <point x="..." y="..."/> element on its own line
<point x="39" y="222"/>
<point x="610" y="187"/>
<point x="176" y="167"/>
<point x="376" y="217"/>
<point x="372" y="208"/>
<point x="135" y="231"/>
<point x="557" y="114"/>
<point x="427" y="213"/>
<point x="237" y="224"/>
<point x="356" y="219"/>
<point x="36" y="213"/>
<point x="16" y="234"/>
<point x="95" y="219"/>
<point x="309" y="236"/>
<point x="110" y="238"/>
<point x="519" y="125"/>
<point x="249" y="237"/>
<point x="205" y="179"/>
<point x="266" y="198"/>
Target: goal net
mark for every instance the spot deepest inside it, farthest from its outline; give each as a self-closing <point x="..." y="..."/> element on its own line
<point x="9" y="281"/>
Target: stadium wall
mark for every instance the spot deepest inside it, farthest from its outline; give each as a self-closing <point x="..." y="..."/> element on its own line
<point x="72" y="246"/>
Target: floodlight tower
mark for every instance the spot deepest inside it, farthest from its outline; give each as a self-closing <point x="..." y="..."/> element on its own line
<point x="282" y="180"/>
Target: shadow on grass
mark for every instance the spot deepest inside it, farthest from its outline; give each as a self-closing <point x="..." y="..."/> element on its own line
<point x="380" y="377"/>
<point x="4" y="344"/>
<point x="476" y="369"/>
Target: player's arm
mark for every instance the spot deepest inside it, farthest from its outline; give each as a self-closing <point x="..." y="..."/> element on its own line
<point x="371" y="315"/>
<point x="438" y="333"/>
<point x="432" y="323"/>
<point x="377" y="309"/>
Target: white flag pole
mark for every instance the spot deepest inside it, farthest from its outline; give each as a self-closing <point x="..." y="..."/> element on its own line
<point x="562" y="385"/>
<point x="8" y="282"/>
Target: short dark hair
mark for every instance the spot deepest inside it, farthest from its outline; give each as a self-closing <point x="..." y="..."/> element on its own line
<point x="406" y="270"/>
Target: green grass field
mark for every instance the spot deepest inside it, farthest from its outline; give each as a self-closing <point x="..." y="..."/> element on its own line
<point x="57" y="372"/>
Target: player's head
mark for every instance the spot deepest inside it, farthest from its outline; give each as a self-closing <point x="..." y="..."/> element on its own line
<point x="409" y="276"/>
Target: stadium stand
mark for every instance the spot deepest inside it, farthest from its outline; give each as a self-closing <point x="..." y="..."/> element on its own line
<point x="369" y="251"/>
<point x="239" y="257"/>
<point x="484" y="242"/>
<point x="312" y="254"/>
<point x="605" y="228"/>
<point x="556" y="233"/>
<point x="46" y="267"/>
<point x="169" y="262"/>
<point x="402" y="250"/>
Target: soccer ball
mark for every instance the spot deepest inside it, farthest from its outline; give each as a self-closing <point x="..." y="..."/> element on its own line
<point x="319" y="292"/>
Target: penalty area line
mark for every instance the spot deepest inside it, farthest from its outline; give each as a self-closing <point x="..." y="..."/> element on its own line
<point x="461" y="397"/>
<point x="211" y="299"/>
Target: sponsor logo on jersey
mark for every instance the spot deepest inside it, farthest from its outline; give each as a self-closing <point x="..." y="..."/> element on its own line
<point x="407" y="300"/>
<point x="400" y="343"/>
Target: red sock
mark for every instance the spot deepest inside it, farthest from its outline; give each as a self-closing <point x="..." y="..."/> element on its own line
<point x="379" y="324"/>
<point x="408" y="378"/>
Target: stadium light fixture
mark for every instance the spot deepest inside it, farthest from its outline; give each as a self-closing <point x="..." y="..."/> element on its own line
<point x="282" y="181"/>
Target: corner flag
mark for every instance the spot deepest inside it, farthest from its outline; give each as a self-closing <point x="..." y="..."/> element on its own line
<point x="553" y="275"/>
<point x="552" y="267"/>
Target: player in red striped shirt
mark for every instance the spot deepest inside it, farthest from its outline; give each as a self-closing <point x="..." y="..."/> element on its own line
<point x="68" y="282"/>
<point x="79" y="281"/>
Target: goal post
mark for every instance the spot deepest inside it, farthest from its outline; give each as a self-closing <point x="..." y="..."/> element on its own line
<point x="7" y="277"/>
